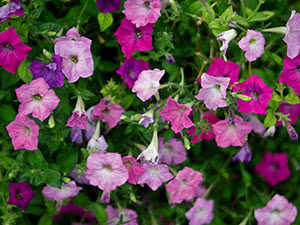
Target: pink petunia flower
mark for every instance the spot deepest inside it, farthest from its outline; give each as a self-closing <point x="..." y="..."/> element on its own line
<point x="154" y="175"/>
<point x="148" y="83"/>
<point x="79" y="116"/>
<point x="24" y="133"/>
<point x="12" y="50"/>
<point x="231" y="131"/>
<point x="292" y="109"/>
<point x="73" y="35"/>
<point x="132" y="38"/>
<point x="106" y="170"/>
<point x="171" y="152"/>
<point x="273" y="167"/>
<point x="184" y="185"/>
<point x="57" y="194"/>
<point x="142" y="12"/>
<point x="108" y="111"/>
<point x="213" y="91"/>
<point x="292" y="36"/>
<point x="278" y="211"/>
<point x="177" y="114"/>
<point x="134" y="169"/>
<point x="253" y="44"/>
<point x="114" y="216"/>
<point x="201" y="212"/>
<point x="260" y="94"/>
<point x="37" y="98"/>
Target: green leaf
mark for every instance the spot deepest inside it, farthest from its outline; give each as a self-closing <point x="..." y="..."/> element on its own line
<point x="270" y="119"/>
<point x="168" y="135"/>
<point x="53" y="178"/>
<point x="99" y="212"/>
<point x="246" y="176"/>
<point x="7" y="113"/>
<point x="105" y="20"/>
<point x="45" y="220"/>
<point x="67" y="159"/>
<point x="36" y="159"/>
<point x="23" y="72"/>
<point x="262" y="16"/>
<point x="292" y="97"/>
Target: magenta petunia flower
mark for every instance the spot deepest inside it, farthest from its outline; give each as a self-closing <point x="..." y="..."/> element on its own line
<point x="205" y="134"/>
<point x="292" y="36"/>
<point x="260" y="94"/>
<point x="171" y="152"/>
<point x="273" y="167"/>
<point x="37" y="98"/>
<point x="154" y="175"/>
<point x="177" y="114"/>
<point x="134" y="169"/>
<point x="12" y="50"/>
<point x="20" y="194"/>
<point x="57" y="194"/>
<point x="131" y="70"/>
<point x="278" y="211"/>
<point x="24" y="133"/>
<point x="201" y="212"/>
<point x="184" y="185"/>
<point x="106" y="6"/>
<point x="51" y="72"/>
<point x="114" y="216"/>
<point x="12" y="8"/>
<point x="78" y="117"/>
<point x="147" y="83"/>
<point x="290" y="74"/>
<point x="222" y="68"/>
<point x="286" y="108"/>
<point x="132" y="38"/>
<point x="106" y="170"/>
<point x="108" y="111"/>
<point x="213" y="91"/>
<point x="142" y="12"/>
<point x="244" y="155"/>
<point x="253" y="44"/>
<point x="231" y="131"/>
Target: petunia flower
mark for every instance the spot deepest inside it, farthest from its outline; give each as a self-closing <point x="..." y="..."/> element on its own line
<point x="292" y="36"/>
<point x="260" y="94"/>
<point x="290" y="74"/>
<point x="108" y="111"/>
<point x="273" y="167"/>
<point x="76" y="135"/>
<point x="253" y="44"/>
<point x="226" y="37"/>
<point x="79" y="116"/>
<point x="201" y="212"/>
<point x="131" y="69"/>
<point x="12" y="8"/>
<point x="213" y="91"/>
<point x="177" y="114"/>
<point x="91" y="124"/>
<point x="231" y="131"/>
<point x="147" y="118"/>
<point x="147" y="83"/>
<point x="73" y="35"/>
<point x="12" y="50"/>
<point x="171" y="152"/>
<point x="106" y="170"/>
<point x="24" y="133"/>
<point x="292" y="109"/>
<point x="81" y="179"/>
<point x="278" y="211"/>
<point x="114" y="216"/>
<point x="154" y="175"/>
<point x="244" y="155"/>
<point x="51" y="72"/>
<point x="37" y="98"/>
<point x="142" y="12"/>
<point x="106" y="6"/>
<point x="134" y="169"/>
<point x="20" y="194"/>
<point x="132" y="38"/>
<point x="257" y="126"/>
<point x="57" y="194"/>
<point x="184" y="185"/>
<point x="151" y="152"/>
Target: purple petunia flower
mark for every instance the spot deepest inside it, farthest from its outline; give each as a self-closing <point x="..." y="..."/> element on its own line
<point x="51" y="72"/>
<point x="106" y="6"/>
<point x="171" y="152"/>
<point x="12" y="8"/>
<point x="244" y="155"/>
<point x="76" y="135"/>
<point x="20" y="194"/>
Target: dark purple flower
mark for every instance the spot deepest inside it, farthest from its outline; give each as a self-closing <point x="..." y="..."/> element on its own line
<point x="51" y="72"/>
<point x="76" y="135"/>
<point x="131" y="70"/>
<point x="244" y="155"/>
<point x="106" y="6"/>
<point x="20" y="194"/>
<point x="12" y="8"/>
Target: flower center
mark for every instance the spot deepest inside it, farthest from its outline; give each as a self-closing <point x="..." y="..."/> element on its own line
<point x="147" y="4"/>
<point x="131" y="74"/>
<point x="218" y="86"/>
<point x="138" y="34"/>
<point x="298" y="68"/>
<point x="8" y="47"/>
<point x="105" y="111"/>
<point x="255" y="94"/>
<point x="252" y="41"/>
<point x="128" y="164"/>
<point x="182" y="109"/>
<point x="169" y="148"/>
<point x="275" y="166"/>
<point x="18" y="195"/>
<point x="27" y="130"/>
<point x="231" y="121"/>
<point x="37" y="97"/>
<point x="107" y="167"/>
<point x="52" y="66"/>
<point x="74" y="59"/>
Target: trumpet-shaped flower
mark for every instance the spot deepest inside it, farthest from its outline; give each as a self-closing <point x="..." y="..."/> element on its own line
<point x="171" y="152"/>
<point x="151" y="152"/>
<point x="78" y="117"/>
<point x="226" y="37"/>
<point x="12" y="8"/>
<point x="57" y="194"/>
<point x="134" y="169"/>
<point x="201" y="212"/>
<point x="244" y="155"/>
<point x="147" y="118"/>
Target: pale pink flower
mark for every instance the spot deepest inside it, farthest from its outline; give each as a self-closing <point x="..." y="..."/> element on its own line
<point x="24" y="133"/>
<point x="171" y="152"/>
<point x="226" y="37"/>
<point x="37" y="98"/>
<point x="184" y="185"/>
<point x="201" y="212"/>
<point x="56" y="194"/>
<point x="142" y="12"/>
<point x="231" y="131"/>
<point x="278" y="211"/>
<point x="155" y="175"/>
<point x="106" y="170"/>
<point x="134" y="169"/>
<point x="78" y="117"/>
<point x="213" y="91"/>
<point x="148" y="83"/>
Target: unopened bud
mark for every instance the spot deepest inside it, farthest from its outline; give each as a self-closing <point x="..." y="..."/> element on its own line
<point x="291" y="130"/>
<point x="51" y="122"/>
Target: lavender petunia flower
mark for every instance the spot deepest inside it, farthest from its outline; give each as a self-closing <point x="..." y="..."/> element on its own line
<point x="201" y="212"/>
<point x="147" y="118"/>
<point x="244" y="155"/>
<point x="226" y="37"/>
<point x="106" y="6"/>
<point x="12" y="8"/>
<point x="76" y="135"/>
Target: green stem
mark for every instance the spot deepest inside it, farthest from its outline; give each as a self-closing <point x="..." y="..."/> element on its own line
<point x="243" y="8"/>
<point x="256" y="9"/>
<point x="81" y="12"/>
